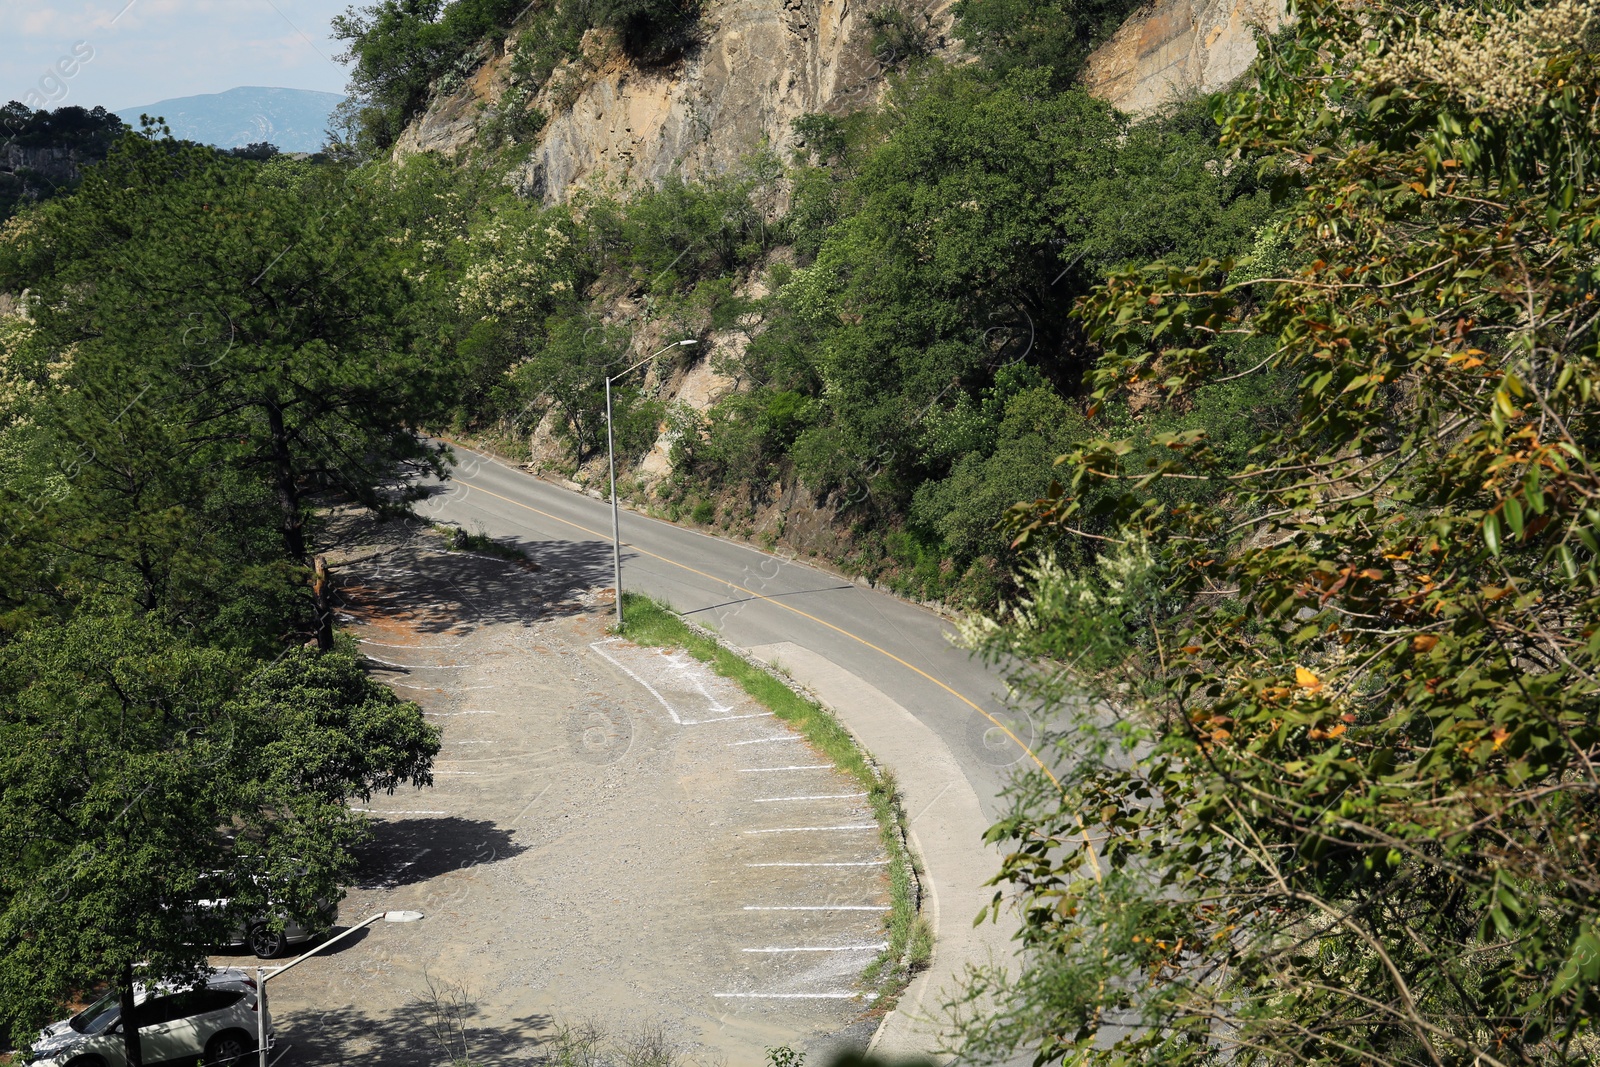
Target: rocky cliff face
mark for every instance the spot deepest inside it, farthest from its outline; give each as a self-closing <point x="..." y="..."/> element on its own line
<point x="763" y="64"/>
<point x="1176" y="48"/>
<point x="28" y="171"/>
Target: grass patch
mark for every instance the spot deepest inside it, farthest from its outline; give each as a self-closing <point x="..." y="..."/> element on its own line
<point x="909" y="936"/>
<point x="592" y="1044"/>
<point x="458" y="539"/>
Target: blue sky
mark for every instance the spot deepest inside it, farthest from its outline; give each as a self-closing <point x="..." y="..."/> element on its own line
<point x="153" y="50"/>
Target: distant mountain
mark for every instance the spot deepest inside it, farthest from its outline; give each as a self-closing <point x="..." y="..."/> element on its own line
<point x="296" y="120"/>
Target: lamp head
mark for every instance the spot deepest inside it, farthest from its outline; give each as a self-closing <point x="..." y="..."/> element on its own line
<point x="689" y="341"/>
<point x="401" y="916"/>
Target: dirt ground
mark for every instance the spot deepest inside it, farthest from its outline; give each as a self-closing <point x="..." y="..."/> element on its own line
<point x="615" y="834"/>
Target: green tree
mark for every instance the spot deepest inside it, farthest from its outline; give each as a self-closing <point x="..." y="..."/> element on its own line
<point x="225" y="332"/>
<point x="1344" y="811"/>
<point x="1055" y="36"/>
<point x="135" y="765"/>
<point x="399" y="49"/>
<point x="63" y="141"/>
<point x="962" y="241"/>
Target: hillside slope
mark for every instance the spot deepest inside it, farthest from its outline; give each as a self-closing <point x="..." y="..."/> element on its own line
<point x="764" y="63"/>
<point x="761" y="64"/>
<point x="1177" y="48"/>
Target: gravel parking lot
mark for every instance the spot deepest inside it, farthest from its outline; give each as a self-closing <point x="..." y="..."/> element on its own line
<point x="615" y="834"/>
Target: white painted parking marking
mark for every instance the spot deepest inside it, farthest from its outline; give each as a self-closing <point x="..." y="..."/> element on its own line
<point x="764" y="740"/>
<point x="386" y="644"/>
<point x="474" y="555"/>
<point x="684" y="664"/>
<point x="393" y="876"/>
<point x="812" y="796"/>
<point x="808" y="829"/>
<point x="681" y="663"/>
<point x="421" y="666"/>
<point x="799" y="996"/>
<point x="877" y="946"/>
<point x="401" y="811"/>
<point x="816" y="907"/>
<point x="846" y="863"/>
<point x="625" y="669"/>
<point x="796" y="767"/>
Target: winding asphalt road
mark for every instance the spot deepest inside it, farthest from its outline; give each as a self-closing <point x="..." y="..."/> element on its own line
<point x="753" y="599"/>
<point x="925" y="707"/>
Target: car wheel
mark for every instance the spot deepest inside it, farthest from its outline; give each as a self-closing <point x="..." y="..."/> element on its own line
<point x="266" y="942"/>
<point x="86" y="1061"/>
<point x="229" y="1047"/>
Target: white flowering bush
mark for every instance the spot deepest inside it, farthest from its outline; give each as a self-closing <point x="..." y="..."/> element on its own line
<point x="1494" y="62"/>
<point x="519" y="261"/>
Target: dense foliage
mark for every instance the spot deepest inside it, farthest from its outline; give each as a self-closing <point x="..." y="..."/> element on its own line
<point x="896" y="303"/>
<point x="399" y="50"/>
<point x="209" y="347"/>
<point x="1338" y="803"/>
<point x="1054" y="36"/>
<point x="919" y="364"/>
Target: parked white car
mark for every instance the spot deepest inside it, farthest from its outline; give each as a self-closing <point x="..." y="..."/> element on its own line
<point x="256" y="933"/>
<point x="215" y="1022"/>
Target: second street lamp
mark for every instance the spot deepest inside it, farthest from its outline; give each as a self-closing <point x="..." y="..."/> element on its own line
<point x="263" y="974"/>
<point x="611" y="459"/>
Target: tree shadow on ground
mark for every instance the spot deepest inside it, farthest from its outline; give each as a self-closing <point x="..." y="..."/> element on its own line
<point x="413" y="850"/>
<point x="432" y="591"/>
<point x="401" y="1036"/>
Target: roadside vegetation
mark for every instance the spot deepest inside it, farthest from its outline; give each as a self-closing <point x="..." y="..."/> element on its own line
<point x="1347" y="813"/>
<point x="647" y="622"/>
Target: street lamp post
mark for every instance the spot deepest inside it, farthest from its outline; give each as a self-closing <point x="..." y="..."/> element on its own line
<point x="611" y="459"/>
<point x="263" y="974"/>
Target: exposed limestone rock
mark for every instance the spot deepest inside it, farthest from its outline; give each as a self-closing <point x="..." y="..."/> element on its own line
<point x="698" y="386"/>
<point x="1174" y="48"/>
<point x="763" y="64"/>
<point x="451" y="121"/>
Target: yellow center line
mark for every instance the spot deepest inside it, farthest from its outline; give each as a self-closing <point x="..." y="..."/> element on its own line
<point x="786" y="607"/>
